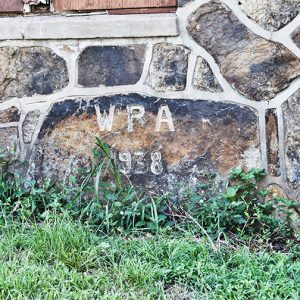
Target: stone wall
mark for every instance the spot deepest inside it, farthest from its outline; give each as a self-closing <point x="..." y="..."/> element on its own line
<point x="214" y="87"/>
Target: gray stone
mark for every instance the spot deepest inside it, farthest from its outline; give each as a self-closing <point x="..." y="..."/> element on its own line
<point x="204" y="79"/>
<point x="291" y="113"/>
<point x="296" y="37"/>
<point x="168" y="69"/>
<point x="111" y="65"/>
<point x="272" y="142"/>
<point x="28" y="71"/>
<point x="9" y="139"/>
<point x="271" y="15"/>
<point x="29" y="125"/>
<point x="259" y="69"/>
<point x="194" y="137"/>
<point x="9" y="115"/>
<point x="184" y="2"/>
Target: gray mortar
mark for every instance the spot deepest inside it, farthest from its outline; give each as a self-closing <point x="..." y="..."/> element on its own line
<point x="70" y="49"/>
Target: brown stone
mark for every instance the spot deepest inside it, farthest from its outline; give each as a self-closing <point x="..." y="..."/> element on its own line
<point x="9" y="138"/>
<point x="259" y="69"/>
<point x="291" y="113"/>
<point x="271" y="15"/>
<point x="209" y="137"/>
<point x="168" y="69"/>
<point x="9" y="115"/>
<point x="204" y="79"/>
<point x="28" y="71"/>
<point x="276" y="191"/>
<point x="272" y="142"/>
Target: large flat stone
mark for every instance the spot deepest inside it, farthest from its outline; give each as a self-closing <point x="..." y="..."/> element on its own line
<point x="291" y="113"/>
<point x="168" y="69"/>
<point x="28" y="71"/>
<point x="257" y="68"/>
<point x="111" y="65"/>
<point x="271" y="15"/>
<point x="172" y="141"/>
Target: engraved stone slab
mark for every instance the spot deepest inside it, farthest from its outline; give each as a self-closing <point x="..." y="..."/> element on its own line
<point x="156" y="142"/>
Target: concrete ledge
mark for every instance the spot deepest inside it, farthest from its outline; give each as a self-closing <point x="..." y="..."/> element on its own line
<point x="88" y="27"/>
<point x="10" y="29"/>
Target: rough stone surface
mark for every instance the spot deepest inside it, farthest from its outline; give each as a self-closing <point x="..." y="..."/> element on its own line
<point x="183" y="2"/>
<point x="168" y="69"/>
<point x="271" y="15"/>
<point x="30" y="71"/>
<point x="204" y="79"/>
<point x="257" y="68"/>
<point x="291" y="113"/>
<point x="272" y="142"/>
<point x="9" y="138"/>
<point x="296" y="37"/>
<point x="9" y="115"/>
<point x="276" y="191"/>
<point x="111" y="65"/>
<point x="29" y="125"/>
<point x="209" y="137"/>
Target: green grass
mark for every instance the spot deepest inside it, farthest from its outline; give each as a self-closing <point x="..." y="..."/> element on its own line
<point x="65" y="260"/>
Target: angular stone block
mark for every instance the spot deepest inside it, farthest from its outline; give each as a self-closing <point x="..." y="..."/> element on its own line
<point x="29" y="125"/>
<point x="168" y="69"/>
<point x="272" y="142"/>
<point x="271" y="15"/>
<point x="25" y="72"/>
<point x="291" y="113"/>
<point x="204" y="79"/>
<point x="259" y="69"/>
<point x="111" y="65"/>
<point x="184" y="2"/>
<point x="156" y="142"/>
<point x="9" y="138"/>
<point x="296" y="37"/>
<point x="9" y="115"/>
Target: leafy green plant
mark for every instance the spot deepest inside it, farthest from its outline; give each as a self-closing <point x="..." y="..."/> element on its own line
<point x="242" y="210"/>
<point x="99" y="197"/>
<point x="115" y="206"/>
<point x="102" y="198"/>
